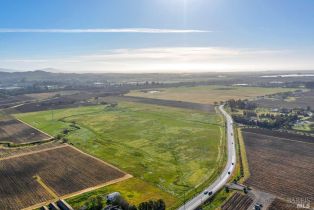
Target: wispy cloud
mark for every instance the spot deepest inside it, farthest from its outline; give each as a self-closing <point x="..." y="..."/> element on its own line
<point x="102" y="30"/>
<point x="168" y="59"/>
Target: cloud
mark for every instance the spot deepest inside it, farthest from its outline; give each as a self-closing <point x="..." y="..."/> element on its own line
<point x="177" y="55"/>
<point x="169" y="59"/>
<point x="103" y="30"/>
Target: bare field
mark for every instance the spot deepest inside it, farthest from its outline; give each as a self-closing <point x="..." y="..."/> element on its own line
<point x="300" y="100"/>
<point x="15" y="151"/>
<point x="280" y="165"/>
<point x="206" y="94"/>
<point x="237" y="202"/>
<point x="278" y="204"/>
<point x="14" y="131"/>
<point x="65" y="100"/>
<point x="46" y="95"/>
<point x="13" y="100"/>
<point x="75" y="100"/>
<point x="64" y="170"/>
<point x="170" y="103"/>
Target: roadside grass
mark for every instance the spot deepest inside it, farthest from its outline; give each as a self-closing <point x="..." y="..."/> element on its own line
<point x="133" y="190"/>
<point x="221" y="162"/>
<point x="241" y="172"/>
<point x="218" y="200"/>
<point x="208" y="94"/>
<point x="303" y="127"/>
<point x="169" y="149"/>
<point x="242" y="152"/>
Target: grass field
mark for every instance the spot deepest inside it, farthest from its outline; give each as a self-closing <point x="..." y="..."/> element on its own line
<point x="207" y="94"/>
<point x="173" y="150"/>
<point x="134" y="190"/>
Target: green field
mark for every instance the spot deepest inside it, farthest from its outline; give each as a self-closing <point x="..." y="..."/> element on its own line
<point x="169" y="149"/>
<point x="207" y="94"/>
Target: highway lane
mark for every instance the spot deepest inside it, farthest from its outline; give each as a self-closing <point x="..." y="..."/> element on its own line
<point x="226" y="173"/>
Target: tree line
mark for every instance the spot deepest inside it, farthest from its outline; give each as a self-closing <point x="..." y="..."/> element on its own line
<point x="97" y="203"/>
<point x="276" y="121"/>
<point x="241" y="104"/>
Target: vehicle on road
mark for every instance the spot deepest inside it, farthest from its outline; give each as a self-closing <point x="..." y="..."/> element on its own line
<point x="220" y="182"/>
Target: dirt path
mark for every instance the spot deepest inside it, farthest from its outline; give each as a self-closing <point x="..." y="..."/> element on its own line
<point x="33" y="152"/>
<point x="260" y="197"/>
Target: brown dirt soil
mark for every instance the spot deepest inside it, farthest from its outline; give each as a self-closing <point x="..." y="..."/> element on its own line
<point x="278" y="204"/>
<point x="17" y="132"/>
<point x="280" y="165"/>
<point x="237" y="202"/>
<point x="278" y="134"/>
<point x="162" y="102"/>
<point x="64" y="170"/>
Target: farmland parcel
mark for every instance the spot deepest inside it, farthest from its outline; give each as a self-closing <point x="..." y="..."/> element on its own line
<point x="280" y="163"/>
<point x="206" y="94"/>
<point x="63" y="169"/>
<point x="168" y="150"/>
<point x="16" y="132"/>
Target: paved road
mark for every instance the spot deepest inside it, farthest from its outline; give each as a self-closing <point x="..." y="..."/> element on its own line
<point x="225" y="175"/>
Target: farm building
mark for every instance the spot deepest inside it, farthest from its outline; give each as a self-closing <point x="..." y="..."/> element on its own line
<point x="113" y="196"/>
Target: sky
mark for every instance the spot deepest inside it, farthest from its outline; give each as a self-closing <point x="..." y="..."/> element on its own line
<point x="157" y="35"/>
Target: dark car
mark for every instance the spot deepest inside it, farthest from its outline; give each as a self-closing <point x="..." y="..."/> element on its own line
<point x="206" y="192"/>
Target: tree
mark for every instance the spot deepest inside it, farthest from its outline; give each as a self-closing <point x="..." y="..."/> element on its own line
<point x="227" y="189"/>
<point x="152" y="205"/>
<point x="121" y="202"/>
<point x="94" y="203"/>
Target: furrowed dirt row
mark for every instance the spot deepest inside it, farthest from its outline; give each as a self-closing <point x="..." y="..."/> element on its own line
<point x="280" y="164"/>
<point x="29" y="179"/>
<point x="17" y="132"/>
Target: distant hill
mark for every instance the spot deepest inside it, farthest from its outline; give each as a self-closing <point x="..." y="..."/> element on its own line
<point x="55" y="76"/>
<point x="7" y="70"/>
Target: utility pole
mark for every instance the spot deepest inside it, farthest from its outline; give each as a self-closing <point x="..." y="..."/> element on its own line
<point x="184" y="199"/>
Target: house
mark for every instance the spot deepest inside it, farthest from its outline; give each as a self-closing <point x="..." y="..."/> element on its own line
<point x="113" y="196"/>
